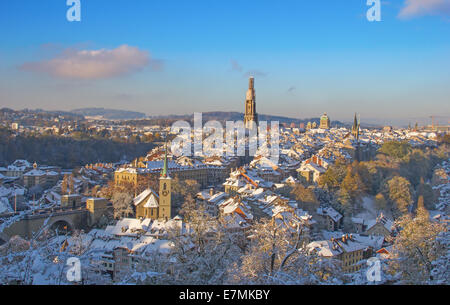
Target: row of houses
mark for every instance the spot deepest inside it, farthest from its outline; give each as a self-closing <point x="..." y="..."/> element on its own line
<point x="127" y="246"/>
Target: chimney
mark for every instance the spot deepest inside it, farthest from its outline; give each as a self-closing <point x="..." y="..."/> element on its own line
<point x="211" y="191"/>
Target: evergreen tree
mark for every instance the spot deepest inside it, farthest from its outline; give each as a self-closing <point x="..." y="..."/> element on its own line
<point x="422" y="213"/>
<point x="395" y="149"/>
<point x="346" y="201"/>
<point x="425" y="191"/>
<point x="306" y="197"/>
<point x="352" y="185"/>
<point x="380" y="202"/>
<point x="399" y="193"/>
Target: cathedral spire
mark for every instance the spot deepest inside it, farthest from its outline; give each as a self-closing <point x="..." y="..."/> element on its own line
<point x="355" y="128"/>
<point x="250" y="104"/>
<point x="251" y="83"/>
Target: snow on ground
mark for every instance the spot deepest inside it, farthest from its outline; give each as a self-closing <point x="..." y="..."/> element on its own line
<point x="369" y="212"/>
<point x="4" y="205"/>
<point x="444" y="188"/>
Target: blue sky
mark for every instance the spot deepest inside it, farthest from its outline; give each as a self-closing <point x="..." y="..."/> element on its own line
<point x="162" y="57"/>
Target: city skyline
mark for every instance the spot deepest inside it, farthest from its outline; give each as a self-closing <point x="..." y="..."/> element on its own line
<point x="180" y="58"/>
<point x="233" y="145"/>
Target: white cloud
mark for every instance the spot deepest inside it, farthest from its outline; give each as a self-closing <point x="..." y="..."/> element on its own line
<point x="415" y="8"/>
<point x="235" y="66"/>
<point x="94" y="64"/>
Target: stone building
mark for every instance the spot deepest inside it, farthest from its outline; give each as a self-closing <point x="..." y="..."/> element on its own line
<point x="250" y="105"/>
<point x="346" y="249"/>
<point x="156" y="206"/>
<point x="324" y="122"/>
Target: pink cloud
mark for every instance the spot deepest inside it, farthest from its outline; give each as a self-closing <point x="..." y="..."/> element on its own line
<point x="414" y="8"/>
<point x="94" y="64"/>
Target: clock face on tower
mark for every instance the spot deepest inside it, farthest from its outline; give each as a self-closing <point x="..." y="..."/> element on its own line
<point x="165" y="193"/>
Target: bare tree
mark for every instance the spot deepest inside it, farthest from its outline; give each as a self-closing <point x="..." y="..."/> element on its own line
<point x="122" y="204"/>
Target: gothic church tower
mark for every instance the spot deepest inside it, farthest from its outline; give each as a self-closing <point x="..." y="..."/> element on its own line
<point x="250" y="105"/>
<point x="355" y="128"/>
<point x="165" y="191"/>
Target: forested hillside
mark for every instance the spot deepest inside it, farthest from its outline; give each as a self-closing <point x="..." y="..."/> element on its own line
<point x="66" y="152"/>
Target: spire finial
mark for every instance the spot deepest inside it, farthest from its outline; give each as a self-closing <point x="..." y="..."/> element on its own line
<point x="165" y="171"/>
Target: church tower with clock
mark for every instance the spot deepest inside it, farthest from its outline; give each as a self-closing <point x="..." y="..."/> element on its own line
<point x="165" y="192"/>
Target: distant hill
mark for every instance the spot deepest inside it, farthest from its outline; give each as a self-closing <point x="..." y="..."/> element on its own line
<point x="236" y="116"/>
<point x="55" y="112"/>
<point x="109" y="114"/>
<point x="37" y="116"/>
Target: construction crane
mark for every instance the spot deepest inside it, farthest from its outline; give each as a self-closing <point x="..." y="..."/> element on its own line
<point x="432" y="121"/>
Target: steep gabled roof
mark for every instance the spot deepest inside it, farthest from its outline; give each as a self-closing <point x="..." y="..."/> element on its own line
<point x="148" y="197"/>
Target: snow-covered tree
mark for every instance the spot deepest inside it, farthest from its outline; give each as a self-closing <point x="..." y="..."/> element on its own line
<point x="440" y="267"/>
<point x="415" y="247"/>
<point x="277" y="254"/>
<point x="122" y="204"/>
<point x="203" y="255"/>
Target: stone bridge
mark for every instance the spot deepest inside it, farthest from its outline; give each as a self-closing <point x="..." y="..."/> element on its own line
<point x="64" y="220"/>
